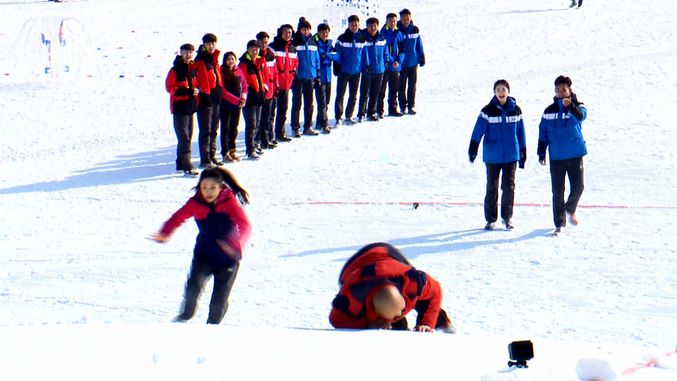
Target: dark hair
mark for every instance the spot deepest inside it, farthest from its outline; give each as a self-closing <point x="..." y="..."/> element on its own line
<point x="391" y="15"/>
<point x="226" y="54"/>
<point x="562" y="80"/>
<point x="224" y="176"/>
<point x="372" y="20"/>
<point x="187" y="47"/>
<point x="209" y="37"/>
<point x="261" y="35"/>
<point x="405" y="11"/>
<point x="284" y="26"/>
<point x="303" y="23"/>
<point x="252" y="43"/>
<point x="322" y="27"/>
<point x="502" y="82"/>
<point x="353" y="18"/>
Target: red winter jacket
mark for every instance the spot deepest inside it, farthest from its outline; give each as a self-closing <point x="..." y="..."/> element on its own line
<point x="234" y="85"/>
<point x="286" y="62"/>
<point x="371" y="270"/>
<point x="269" y="73"/>
<point x="223" y="220"/>
<point x="181" y="80"/>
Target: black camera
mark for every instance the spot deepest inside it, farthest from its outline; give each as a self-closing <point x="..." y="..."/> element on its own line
<point x="520" y="352"/>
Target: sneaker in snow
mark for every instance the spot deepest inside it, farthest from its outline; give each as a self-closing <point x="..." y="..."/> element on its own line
<point x="508" y="224"/>
<point x="192" y="171"/>
<point x="490" y="226"/>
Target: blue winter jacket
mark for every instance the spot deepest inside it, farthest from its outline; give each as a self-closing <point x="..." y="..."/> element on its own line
<point x="503" y="131"/>
<point x="308" y="57"/>
<point x="327" y="56"/>
<point x="394" y="48"/>
<point x="413" y="46"/>
<point x="377" y="55"/>
<point x="560" y="130"/>
<point x="350" y="49"/>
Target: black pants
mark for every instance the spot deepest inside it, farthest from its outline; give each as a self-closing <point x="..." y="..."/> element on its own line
<point x="322" y="96"/>
<point x="391" y="80"/>
<point x="302" y="88"/>
<point x="183" y="127"/>
<point x="230" y="119"/>
<point x="370" y="86"/>
<point x="264" y="132"/>
<point x="559" y="169"/>
<point x="208" y="123"/>
<point x="352" y="82"/>
<point x="281" y="118"/>
<point x="252" y="116"/>
<point x="407" y="90"/>
<point x="224" y="278"/>
<point x="507" y="186"/>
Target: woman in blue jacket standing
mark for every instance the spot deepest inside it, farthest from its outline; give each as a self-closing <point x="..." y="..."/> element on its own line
<point x="500" y="123"/>
<point x="560" y="132"/>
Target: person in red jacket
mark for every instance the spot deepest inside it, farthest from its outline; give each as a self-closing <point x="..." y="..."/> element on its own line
<point x="234" y="96"/>
<point x="286" y="64"/>
<point x="208" y="109"/>
<point x="379" y="287"/>
<point x="265" y="136"/>
<point x="252" y="68"/>
<point x="224" y="230"/>
<point x="185" y="80"/>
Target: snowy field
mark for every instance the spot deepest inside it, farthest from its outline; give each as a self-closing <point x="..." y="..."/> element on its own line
<point x="87" y="174"/>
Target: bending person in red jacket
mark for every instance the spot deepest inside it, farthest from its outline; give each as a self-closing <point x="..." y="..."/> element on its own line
<point x="379" y="287"/>
<point x="224" y="230"/>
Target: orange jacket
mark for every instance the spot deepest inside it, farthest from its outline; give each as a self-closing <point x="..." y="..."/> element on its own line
<point x="211" y="66"/>
<point x="269" y="73"/>
<point x="286" y="62"/>
<point x="372" y="268"/>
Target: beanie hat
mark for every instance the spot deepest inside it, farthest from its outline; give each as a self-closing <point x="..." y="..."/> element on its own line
<point x="209" y="37"/>
<point x="303" y="23"/>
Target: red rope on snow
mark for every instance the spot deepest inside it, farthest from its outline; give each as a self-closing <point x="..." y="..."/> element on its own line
<point x="470" y="203"/>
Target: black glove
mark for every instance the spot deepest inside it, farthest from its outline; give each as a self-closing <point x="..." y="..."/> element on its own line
<point x="421" y="60"/>
<point x="183" y="92"/>
<point x="523" y="157"/>
<point x="472" y="150"/>
<point x="575" y="110"/>
<point x="541" y="150"/>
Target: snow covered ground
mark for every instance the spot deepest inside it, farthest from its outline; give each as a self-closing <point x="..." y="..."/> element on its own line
<point x="87" y="173"/>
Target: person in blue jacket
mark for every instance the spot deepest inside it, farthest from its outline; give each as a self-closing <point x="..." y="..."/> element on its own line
<point x="413" y="57"/>
<point x="306" y="74"/>
<point x="350" y="49"/>
<point x="391" y="76"/>
<point x="372" y="71"/>
<point x="325" y="47"/>
<point x="560" y="133"/>
<point x="500" y="123"/>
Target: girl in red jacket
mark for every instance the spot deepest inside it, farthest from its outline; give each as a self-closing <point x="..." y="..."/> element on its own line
<point x="224" y="230"/>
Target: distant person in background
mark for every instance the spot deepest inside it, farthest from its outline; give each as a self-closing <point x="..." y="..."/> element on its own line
<point x="500" y="123"/>
<point x="350" y="49"/>
<point x="234" y="97"/>
<point x="560" y="132"/>
<point x="256" y="94"/>
<point x="323" y="84"/>
<point x="413" y="57"/>
<point x="391" y="76"/>
<point x="372" y="71"/>
<point x="307" y="72"/>
<point x="573" y="3"/>
<point x="208" y="109"/>
<point x="379" y="287"/>
<point x="286" y="65"/>
<point x="224" y="231"/>
<point x="266" y="133"/>
<point x="184" y="83"/>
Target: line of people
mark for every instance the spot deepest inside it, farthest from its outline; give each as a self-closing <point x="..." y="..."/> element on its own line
<point x="372" y="60"/>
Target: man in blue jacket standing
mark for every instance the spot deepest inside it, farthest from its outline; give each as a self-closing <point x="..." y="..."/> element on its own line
<point x="328" y="56"/>
<point x="308" y="71"/>
<point x="372" y="72"/>
<point x="391" y="76"/>
<point x="501" y="125"/>
<point x="413" y="57"/>
<point x="350" y="49"/>
<point x="560" y="132"/>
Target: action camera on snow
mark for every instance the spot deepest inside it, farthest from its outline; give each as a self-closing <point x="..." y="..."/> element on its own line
<point x="520" y="352"/>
